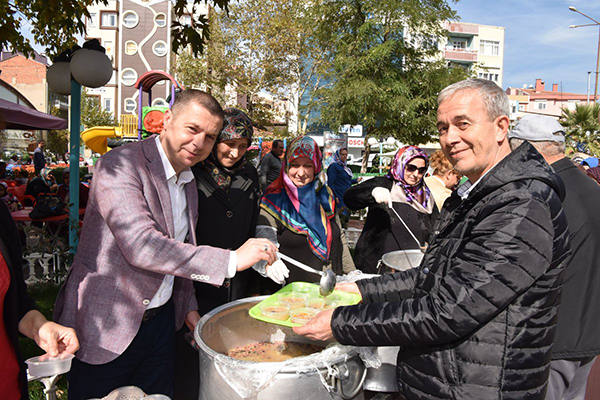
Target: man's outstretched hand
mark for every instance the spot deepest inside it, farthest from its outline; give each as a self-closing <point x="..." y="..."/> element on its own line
<point x="255" y="250"/>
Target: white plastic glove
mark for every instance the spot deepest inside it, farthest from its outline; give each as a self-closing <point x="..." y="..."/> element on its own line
<point x="382" y="195"/>
<point x="278" y="272"/>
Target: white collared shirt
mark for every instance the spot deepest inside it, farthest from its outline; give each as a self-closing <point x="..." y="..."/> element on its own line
<point x="181" y="223"/>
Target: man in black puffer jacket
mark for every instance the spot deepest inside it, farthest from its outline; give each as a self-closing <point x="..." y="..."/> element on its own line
<point x="476" y="320"/>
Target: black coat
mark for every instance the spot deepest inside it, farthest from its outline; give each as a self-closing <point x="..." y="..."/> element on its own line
<point x="380" y="235"/>
<point x="578" y="331"/>
<point x="16" y="302"/>
<point x="226" y="220"/>
<point x="477" y="319"/>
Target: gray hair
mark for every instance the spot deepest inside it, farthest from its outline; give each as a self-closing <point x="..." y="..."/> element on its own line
<point x="546" y="148"/>
<point x="494" y="98"/>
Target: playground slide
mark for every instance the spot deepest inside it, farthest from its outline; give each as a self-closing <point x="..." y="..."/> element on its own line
<point x="95" y="138"/>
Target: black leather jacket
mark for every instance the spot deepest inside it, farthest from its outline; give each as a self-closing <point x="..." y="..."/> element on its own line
<point x="477" y="319"/>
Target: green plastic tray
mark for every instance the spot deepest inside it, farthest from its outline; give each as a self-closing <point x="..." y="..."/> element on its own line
<point x="343" y="298"/>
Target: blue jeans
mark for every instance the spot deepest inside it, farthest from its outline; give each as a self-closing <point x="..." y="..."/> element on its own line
<point x="148" y="363"/>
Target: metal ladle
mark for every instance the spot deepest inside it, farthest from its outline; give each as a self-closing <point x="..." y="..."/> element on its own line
<point x="422" y="248"/>
<point x="327" y="282"/>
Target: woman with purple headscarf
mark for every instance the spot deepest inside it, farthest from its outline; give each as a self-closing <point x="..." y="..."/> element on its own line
<point x="404" y="189"/>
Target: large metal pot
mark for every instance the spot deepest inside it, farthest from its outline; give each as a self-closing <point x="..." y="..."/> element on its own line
<point x="383" y="379"/>
<point x="400" y="260"/>
<point x="335" y="373"/>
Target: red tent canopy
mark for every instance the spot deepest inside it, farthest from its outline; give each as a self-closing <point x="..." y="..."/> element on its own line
<point x="16" y="116"/>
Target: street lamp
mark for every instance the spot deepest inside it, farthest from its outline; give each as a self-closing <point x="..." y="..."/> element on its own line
<point x="88" y="66"/>
<point x="596" y="23"/>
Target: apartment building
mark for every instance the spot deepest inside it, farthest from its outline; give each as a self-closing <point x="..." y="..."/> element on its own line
<point x="137" y="38"/>
<point x="535" y="99"/>
<point x="479" y="48"/>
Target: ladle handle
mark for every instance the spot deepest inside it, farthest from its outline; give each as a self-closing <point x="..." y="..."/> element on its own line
<point x="406" y="226"/>
<point x="299" y="264"/>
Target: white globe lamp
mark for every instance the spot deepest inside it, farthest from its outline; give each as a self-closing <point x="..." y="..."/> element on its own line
<point x="91" y="67"/>
<point x="58" y="77"/>
<point x="372" y="141"/>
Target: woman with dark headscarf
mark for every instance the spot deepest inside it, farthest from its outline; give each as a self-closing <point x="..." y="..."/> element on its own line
<point x="404" y="189"/>
<point x="298" y="212"/>
<point x="228" y="197"/>
<point x="339" y="179"/>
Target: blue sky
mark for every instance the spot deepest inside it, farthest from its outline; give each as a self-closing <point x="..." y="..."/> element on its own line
<point x="539" y="42"/>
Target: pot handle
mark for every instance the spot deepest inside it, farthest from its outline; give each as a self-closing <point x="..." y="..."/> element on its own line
<point x="189" y="337"/>
<point x="339" y="388"/>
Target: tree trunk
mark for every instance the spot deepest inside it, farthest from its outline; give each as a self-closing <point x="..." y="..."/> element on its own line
<point x="367" y="153"/>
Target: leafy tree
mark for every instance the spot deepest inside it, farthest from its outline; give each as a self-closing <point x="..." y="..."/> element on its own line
<point x="583" y="128"/>
<point x="92" y="114"/>
<point x="384" y="77"/>
<point x="208" y="71"/>
<point x="56" y="24"/>
<point x="58" y="140"/>
<point x="262" y="43"/>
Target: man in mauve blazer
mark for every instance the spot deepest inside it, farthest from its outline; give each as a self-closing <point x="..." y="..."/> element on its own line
<point x="127" y="247"/>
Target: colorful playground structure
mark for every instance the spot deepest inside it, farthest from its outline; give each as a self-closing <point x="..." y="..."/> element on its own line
<point x="147" y="122"/>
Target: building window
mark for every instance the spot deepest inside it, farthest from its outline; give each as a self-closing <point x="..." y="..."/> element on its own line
<point x="540" y="105"/>
<point x="130" y="19"/>
<point x="489" y="47"/>
<point x="160" y="48"/>
<point x="92" y="21"/>
<point x="130" y="105"/>
<point x="521" y="107"/>
<point x="130" y="47"/>
<point x="159" y="103"/>
<point x="160" y="19"/>
<point x="108" y="105"/>
<point x="459" y="45"/>
<point x="128" y="77"/>
<point x="108" y="45"/>
<point x="109" y="20"/>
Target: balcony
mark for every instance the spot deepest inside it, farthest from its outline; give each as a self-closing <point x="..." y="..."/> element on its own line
<point x="462" y="29"/>
<point x="460" y="55"/>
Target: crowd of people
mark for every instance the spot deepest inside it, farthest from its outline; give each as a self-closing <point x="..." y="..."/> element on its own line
<point x="180" y="223"/>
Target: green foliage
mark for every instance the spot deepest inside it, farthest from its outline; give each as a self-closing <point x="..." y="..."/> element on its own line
<point x="262" y="43"/>
<point x="56" y="24"/>
<point x="58" y="140"/>
<point x="92" y="114"/>
<point x="582" y="128"/>
<point x="198" y="34"/>
<point x="208" y="71"/>
<point x="384" y="80"/>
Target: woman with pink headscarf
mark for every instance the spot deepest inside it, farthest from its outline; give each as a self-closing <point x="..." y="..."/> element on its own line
<point x="404" y="189"/>
<point x="298" y="213"/>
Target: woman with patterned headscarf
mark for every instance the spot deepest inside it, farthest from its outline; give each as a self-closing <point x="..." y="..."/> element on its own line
<point x="297" y="212"/>
<point x="228" y="197"/>
<point x="404" y="189"/>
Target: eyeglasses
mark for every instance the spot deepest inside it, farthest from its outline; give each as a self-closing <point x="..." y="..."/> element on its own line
<point x="412" y="168"/>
